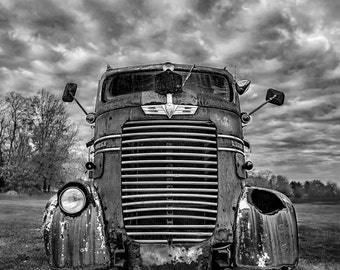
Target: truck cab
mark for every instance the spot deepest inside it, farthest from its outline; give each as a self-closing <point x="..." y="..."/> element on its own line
<point x="168" y="187"/>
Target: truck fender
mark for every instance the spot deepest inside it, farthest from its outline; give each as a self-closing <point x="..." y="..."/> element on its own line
<point x="266" y="232"/>
<point x="75" y="242"/>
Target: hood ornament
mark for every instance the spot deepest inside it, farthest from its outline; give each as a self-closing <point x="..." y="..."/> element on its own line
<point x="170" y="109"/>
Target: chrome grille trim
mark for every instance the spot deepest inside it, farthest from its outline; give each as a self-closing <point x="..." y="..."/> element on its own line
<point x="170" y="226"/>
<point x="167" y="168"/>
<point x="157" y="202"/>
<point x="114" y="136"/>
<point x="169" y="190"/>
<point x="231" y="150"/>
<point x="173" y="195"/>
<point x="169" y="217"/>
<point x="170" y="148"/>
<point x="169" y="180"/>
<point x="231" y="137"/>
<point x="175" y="240"/>
<point x="171" y="127"/>
<point x="171" y="139"/>
<point x="170" y="208"/>
<point x="191" y="134"/>
<point x="138" y="183"/>
<point x="162" y="154"/>
<point x="171" y="233"/>
<point x="113" y="149"/>
<point x="172" y="175"/>
<point x="181" y="161"/>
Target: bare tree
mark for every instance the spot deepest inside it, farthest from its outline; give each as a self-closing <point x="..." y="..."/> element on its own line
<point x="52" y="136"/>
<point x="18" y="112"/>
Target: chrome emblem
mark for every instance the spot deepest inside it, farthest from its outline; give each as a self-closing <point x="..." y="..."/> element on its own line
<point x="169" y="108"/>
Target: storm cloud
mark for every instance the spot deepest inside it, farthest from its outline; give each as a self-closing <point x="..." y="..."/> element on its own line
<point x="293" y="46"/>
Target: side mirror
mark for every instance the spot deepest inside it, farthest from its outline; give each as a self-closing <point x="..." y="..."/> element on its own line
<point x="242" y="86"/>
<point x="69" y="92"/>
<point x="275" y="97"/>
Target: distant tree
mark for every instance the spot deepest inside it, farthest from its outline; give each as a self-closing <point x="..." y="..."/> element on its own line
<point x="260" y="179"/>
<point x="18" y="113"/>
<point x="281" y="183"/>
<point x="316" y="189"/>
<point x="297" y="188"/>
<point x="332" y="190"/>
<point x="15" y="148"/>
<point x="52" y="137"/>
<point x="74" y="168"/>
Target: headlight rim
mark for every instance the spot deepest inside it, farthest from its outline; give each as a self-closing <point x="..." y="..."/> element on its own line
<point x="83" y="188"/>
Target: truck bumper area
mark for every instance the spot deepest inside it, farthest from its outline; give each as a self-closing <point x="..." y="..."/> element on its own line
<point x="266" y="235"/>
<point x="75" y="242"/>
<point x="174" y="257"/>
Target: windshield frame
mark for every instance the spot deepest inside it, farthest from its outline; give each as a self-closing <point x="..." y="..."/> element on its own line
<point x="199" y="82"/>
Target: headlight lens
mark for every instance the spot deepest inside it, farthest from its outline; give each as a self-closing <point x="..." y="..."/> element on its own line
<point x="72" y="200"/>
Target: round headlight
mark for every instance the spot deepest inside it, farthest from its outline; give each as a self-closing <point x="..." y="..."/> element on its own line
<point x="72" y="200"/>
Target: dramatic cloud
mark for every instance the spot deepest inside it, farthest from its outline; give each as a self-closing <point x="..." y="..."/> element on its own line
<point x="292" y="45"/>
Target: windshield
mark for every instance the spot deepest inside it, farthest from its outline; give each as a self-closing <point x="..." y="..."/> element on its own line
<point x="202" y="83"/>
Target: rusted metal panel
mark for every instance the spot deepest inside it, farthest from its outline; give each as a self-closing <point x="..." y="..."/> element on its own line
<point x="265" y="240"/>
<point x="158" y="256"/>
<point x="99" y="162"/>
<point x="75" y="242"/>
<point x="239" y="161"/>
<point x="178" y="67"/>
<point x="138" y="99"/>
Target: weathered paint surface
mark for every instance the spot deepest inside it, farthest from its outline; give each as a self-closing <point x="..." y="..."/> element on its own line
<point x="265" y="241"/>
<point x="75" y="242"/>
<point x="175" y="257"/>
<point x="261" y="241"/>
<point x="164" y="254"/>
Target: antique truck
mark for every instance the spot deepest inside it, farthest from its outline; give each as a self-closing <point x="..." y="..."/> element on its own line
<point x="168" y="180"/>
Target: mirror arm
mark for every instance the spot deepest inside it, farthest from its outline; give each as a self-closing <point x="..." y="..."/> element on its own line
<point x="259" y="107"/>
<point x="81" y="107"/>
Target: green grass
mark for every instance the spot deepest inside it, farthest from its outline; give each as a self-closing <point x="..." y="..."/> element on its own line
<point x="21" y="243"/>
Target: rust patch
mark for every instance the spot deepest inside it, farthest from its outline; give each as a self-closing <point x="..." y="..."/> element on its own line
<point x="160" y="255"/>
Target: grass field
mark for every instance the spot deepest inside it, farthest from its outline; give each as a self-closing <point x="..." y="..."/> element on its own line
<point x="21" y="245"/>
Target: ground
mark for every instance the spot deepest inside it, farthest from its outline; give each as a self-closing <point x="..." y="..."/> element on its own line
<point x="21" y="244"/>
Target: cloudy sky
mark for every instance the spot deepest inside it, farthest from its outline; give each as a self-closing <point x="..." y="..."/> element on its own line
<point x="293" y="46"/>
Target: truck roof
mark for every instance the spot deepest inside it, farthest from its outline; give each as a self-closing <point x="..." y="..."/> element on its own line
<point x="159" y="67"/>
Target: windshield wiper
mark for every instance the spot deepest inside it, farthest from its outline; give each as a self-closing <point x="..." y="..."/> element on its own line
<point x="188" y="76"/>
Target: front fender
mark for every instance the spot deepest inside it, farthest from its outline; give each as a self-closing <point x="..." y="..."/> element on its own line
<point x="266" y="233"/>
<point x="75" y="242"/>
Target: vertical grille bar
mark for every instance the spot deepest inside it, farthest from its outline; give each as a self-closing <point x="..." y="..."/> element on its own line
<point x="169" y="180"/>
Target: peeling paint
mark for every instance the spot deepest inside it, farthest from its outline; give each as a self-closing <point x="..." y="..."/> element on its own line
<point x="48" y="213"/>
<point x="75" y="242"/>
<point x="162" y="254"/>
<point x="262" y="260"/>
<point x="265" y="240"/>
<point x="86" y="248"/>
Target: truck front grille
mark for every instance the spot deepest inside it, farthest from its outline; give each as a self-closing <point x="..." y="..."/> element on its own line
<point x="169" y="180"/>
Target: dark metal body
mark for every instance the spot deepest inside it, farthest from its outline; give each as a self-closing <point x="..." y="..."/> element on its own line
<point x="242" y="237"/>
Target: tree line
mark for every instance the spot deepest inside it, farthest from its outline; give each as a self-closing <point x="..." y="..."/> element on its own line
<point x="36" y="139"/>
<point x="307" y="191"/>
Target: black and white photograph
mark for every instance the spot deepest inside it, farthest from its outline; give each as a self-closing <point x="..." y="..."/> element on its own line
<point x="169" y="135"/>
